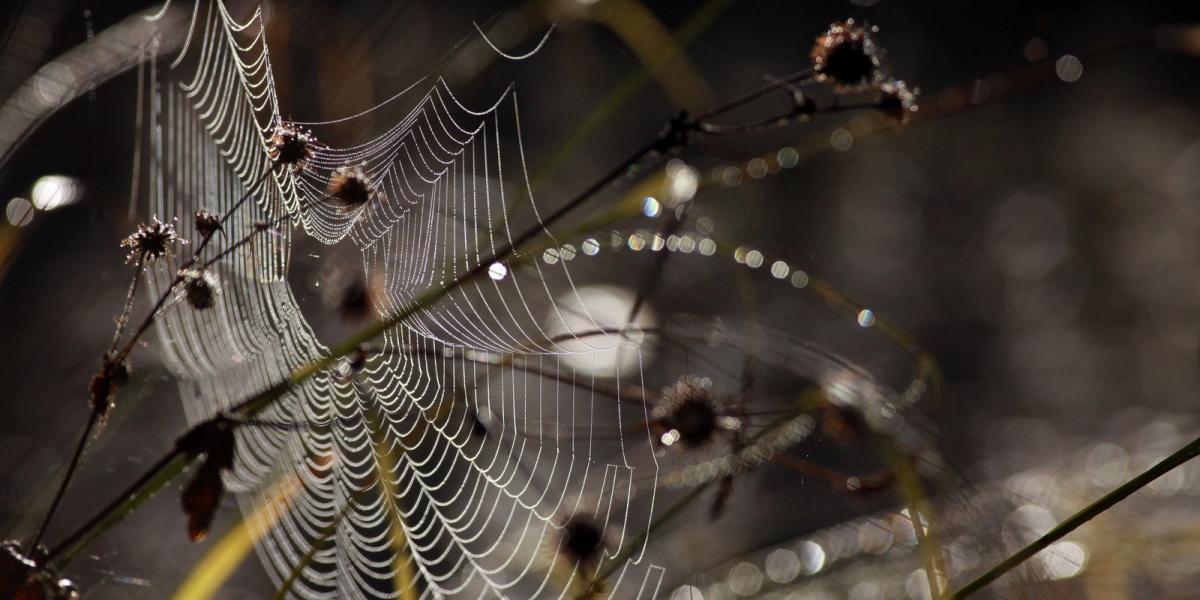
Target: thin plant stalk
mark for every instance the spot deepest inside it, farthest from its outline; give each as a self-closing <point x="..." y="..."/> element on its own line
<point x="97" y="410"/>
<point x="157" y="477"/>
<point x="1089" y="512"/>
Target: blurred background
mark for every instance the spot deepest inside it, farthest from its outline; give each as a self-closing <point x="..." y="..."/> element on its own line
<point x="1034" y="227"/>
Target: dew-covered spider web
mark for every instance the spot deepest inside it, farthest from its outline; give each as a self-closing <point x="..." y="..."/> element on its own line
<point x="452" y="458"/>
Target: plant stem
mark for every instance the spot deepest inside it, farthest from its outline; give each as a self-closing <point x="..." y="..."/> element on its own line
<point x="66" y="480"/>
<point x="127" y="308"/>
<point x="753" y="95"/>
<point x="1105" y="502"/>
<point x="97" y="409"/>
<point x="163" y="471"/>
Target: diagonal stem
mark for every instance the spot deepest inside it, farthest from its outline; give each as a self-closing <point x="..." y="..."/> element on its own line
<point x="1105" y="502"/>
<point x="66" y="481"/>
<point x="97" y="410"/>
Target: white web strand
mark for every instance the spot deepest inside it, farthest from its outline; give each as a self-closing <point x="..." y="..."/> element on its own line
<point x="391" y="460"/>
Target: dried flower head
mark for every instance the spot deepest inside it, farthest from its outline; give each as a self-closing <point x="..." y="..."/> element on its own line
<point x="687" y="413"/>
<point x="581" y="541"/>
<point x="151" y="241"/>
<point x="25" y="577"/>
<point x="897" y="100"/>
<point x="350" y="186"/>
<point x="214" y="439"/>
<point x="207" y="224"/>
<point x="355" y="302"/>
<point x="104" y="384"/>
<point x="292" y="146"/>
<point x="846" y="54"/>
<point x="200" y="288"/>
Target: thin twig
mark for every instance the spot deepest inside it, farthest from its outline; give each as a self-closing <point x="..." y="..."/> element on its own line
<point x="66" y="480"/>
<point x="97" y="409"/>
<point x="1092" y="510"/>
<point x="161" y="473"/>
<point x="127" y="308"/>
<point x="751" y="96"/>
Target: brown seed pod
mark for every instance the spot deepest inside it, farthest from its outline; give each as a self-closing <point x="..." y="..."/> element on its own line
<point x="207" y="224"/>
<point x="151" y="241"/>
<point x="581" y="541"/>
<point x="687" y="413"/>
<point x="350" y="186"/>
<point x="355" y="302"/>
<point x="200" y="288"/>
<point x="292" y="146"/>
<point x="102" y="389"/>
<point x="846" y="54"/>
<point x="214" y="439"/>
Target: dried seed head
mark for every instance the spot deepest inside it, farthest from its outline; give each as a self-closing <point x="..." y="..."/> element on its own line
<point x="104" y="384"/>
<point x="581" y="541"/>
<point x="213" y="438"/>
<point x="200" y="288"/>
<point x="897" y="100"/>
<point x="202" y="496"/>
<point x="292" y="146"/>
<point x="151" y="241"/>
<point x="207" y="224"/>
<point x="200" y="500"/>
<point x="846" y="54"/>
<point x="350" y="186"/>
<point x="22" y="578"/>
<point x="355" y="302"/>
<point x="687" y="413"/>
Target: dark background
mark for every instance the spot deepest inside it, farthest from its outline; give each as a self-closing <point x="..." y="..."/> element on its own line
<point x="1042" y="244"/>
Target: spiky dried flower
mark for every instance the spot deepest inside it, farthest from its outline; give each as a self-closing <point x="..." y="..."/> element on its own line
<point x="581" y="541"/>
<point x="215" y="440"/>
<point x="207" y="224"/>
<point x="200" y="288"/>
<point x="26" y="577"/>
<point x="846" y="54"/>
<point x="897" y="100"/>
<point x="688" y="413"/>
<point x="151" y="241"/>
<point x="104" y="384"/>
<point x="292" y="146"/>
<point x="350" y="186"/>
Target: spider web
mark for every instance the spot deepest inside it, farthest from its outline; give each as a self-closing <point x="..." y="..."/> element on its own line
<point x="450" y="461"/>
<point x="422" y="474"/>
